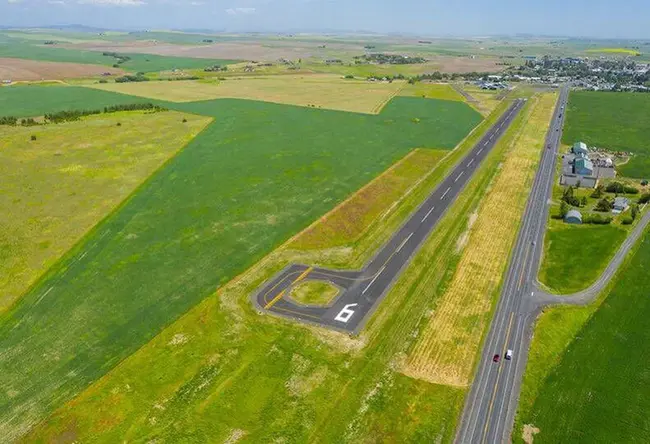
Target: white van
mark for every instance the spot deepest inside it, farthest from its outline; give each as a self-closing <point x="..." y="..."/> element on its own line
<point x="509" y="355"/>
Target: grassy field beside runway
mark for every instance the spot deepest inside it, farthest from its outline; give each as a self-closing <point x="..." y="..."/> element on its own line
<point x="597" y="386"/>
<point x="37" y="100"/>
<point x="57" y="187"/>
<point x="347" y="223"/>
<point x="447" y="346"/>
<point x="254" y="177"/>
<point x="442" y="91"/>
<point x="574" y="256"/>
<point x="614" y="121"/>
<point x="265" y="378"/>
<point x="320" y="91"/>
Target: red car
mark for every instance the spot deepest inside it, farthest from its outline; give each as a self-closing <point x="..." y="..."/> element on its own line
<point x="496" y="358"/>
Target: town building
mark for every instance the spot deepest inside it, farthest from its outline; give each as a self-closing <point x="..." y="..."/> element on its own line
<point x="620" y="204"/>
<point x="583" y="166"/>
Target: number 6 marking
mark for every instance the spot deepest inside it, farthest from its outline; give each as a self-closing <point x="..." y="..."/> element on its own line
<point x="345" y="314"/>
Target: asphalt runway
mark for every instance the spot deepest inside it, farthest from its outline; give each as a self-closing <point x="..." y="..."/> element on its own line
<point x="490" y="407"/>
<point x="361" y="291"/>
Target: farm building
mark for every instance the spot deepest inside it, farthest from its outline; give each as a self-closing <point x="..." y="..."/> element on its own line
<point x="580" y="148"/>
<point x="620" y="204"/>
<point x="573" y="217"/>
<point x="583" y="166"/>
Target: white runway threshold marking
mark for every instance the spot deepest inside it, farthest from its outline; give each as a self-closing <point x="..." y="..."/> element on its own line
<point x="373" y="280"/>
<point x="443" y="196"/>
<point x="427" y="215"/>
<point x="403" y="243"/>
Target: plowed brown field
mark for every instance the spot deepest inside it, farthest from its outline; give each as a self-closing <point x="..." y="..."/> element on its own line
<point x="20" y="69"/>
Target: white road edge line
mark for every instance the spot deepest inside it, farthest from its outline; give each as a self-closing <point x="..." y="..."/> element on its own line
<point x="403" y="243"/>
<point x="427" y="215"/>
<point x="443" y="196"/>
<point x="373" y="280"/>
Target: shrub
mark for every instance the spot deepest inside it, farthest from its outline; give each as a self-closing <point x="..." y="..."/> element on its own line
<point x="645" y="198"/>
<point x="620" y="188"/>
<point x="119" y="124"/>
<point x="33" y="137"/>
<point x="9" y="120"/>
<point x="596" y="219"/>
<point x="627" y="221"/>
<point x="604" y="205"/>
<point x="103" y="81"/>
<point x="184" y="120"/>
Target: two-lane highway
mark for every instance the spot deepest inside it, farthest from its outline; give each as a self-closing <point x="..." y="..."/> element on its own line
<point x="361" y="291"/>
<point x="490" y="406"/>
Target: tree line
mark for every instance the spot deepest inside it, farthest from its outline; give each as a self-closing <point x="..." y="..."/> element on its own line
<point x="72" y="115"/>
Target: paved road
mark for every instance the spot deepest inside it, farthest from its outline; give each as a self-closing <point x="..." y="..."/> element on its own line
<point x="489" y="408"/>
<point x="362" y="290"/>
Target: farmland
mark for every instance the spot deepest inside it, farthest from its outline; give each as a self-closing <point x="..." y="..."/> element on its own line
<point x="614" y="121"/>
<point x="596" y="387"/>
<point x="137" y="62"/>
<point x="20" y="69"/>
<point x="320" y="91"/>
<point x="574" y="256"/>
<point x="59" y="186"/>
<point x="194" y="226"/>
<point x="37" y="100"/>
<point x="231" y="366"/>
<point x="449" y="342"/>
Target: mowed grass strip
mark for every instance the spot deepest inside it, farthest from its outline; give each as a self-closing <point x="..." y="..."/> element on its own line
<point x="222" y="370"/>
<point x="260" y="173"/>
<point x="575" y="256"/>
<point x="446" y="350"/>
<point x="348" y="222"/>
<point x="599" y="387"/>
<point x="57" y="187"/>
<point x="319" y="91"/>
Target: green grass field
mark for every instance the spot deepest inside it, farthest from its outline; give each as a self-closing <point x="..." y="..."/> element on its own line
<point x="59" y="186"/>
<point x="257" y="175"/>
<point x="36" y="100"/>
<point x="138" y="62"/>
<point x="574" y="256"/>
<point x="615" y="121"/>
<point x="229" y="371"/>
<point x="314" y="292"/>
<point x="440" y="91"/>
<point x="598" y="387"/>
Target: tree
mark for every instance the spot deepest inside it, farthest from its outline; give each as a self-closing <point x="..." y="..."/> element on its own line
<point x="598" y="192"/>
<point x="564" y="209"/>
<point x="604" y="205"/>
<point x="634" y="211"/>
<point x="583" y="201"/>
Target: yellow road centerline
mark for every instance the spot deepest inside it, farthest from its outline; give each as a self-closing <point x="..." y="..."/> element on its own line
<point x="496" y="385"/>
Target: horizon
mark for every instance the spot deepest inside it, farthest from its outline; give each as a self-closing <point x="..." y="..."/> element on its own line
<point x="600" y="19"/>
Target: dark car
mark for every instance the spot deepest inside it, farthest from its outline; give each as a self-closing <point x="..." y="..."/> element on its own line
<point x="496" y="358"/>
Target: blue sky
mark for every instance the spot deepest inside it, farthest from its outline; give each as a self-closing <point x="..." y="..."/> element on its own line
<point x="591" y="18"/>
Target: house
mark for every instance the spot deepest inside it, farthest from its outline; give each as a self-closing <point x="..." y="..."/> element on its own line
<point x="583" y="166"/>
<point x="620" y="204"/>
<point x="573" y="217"/>
<point x="580" y="148"/>
<point x="6" y="82"/>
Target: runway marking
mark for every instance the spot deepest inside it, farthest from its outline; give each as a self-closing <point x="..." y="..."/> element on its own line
<point x="427" y="215"/>
<point x="45" y="294"/>
<point x="274" y="300"/>
<point x="479" y="151"/>
<point x="297" y="312"/>
<point x="459" y="176"/>
<point x="83" y="255"/>
<point x="373" y="280"/>
<point x="443" y="196"/>
<point x="470" y="163"/>
<point x="405" y="241"/>
<point x="496" y="385"/>
<point x="279" y="296"/>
